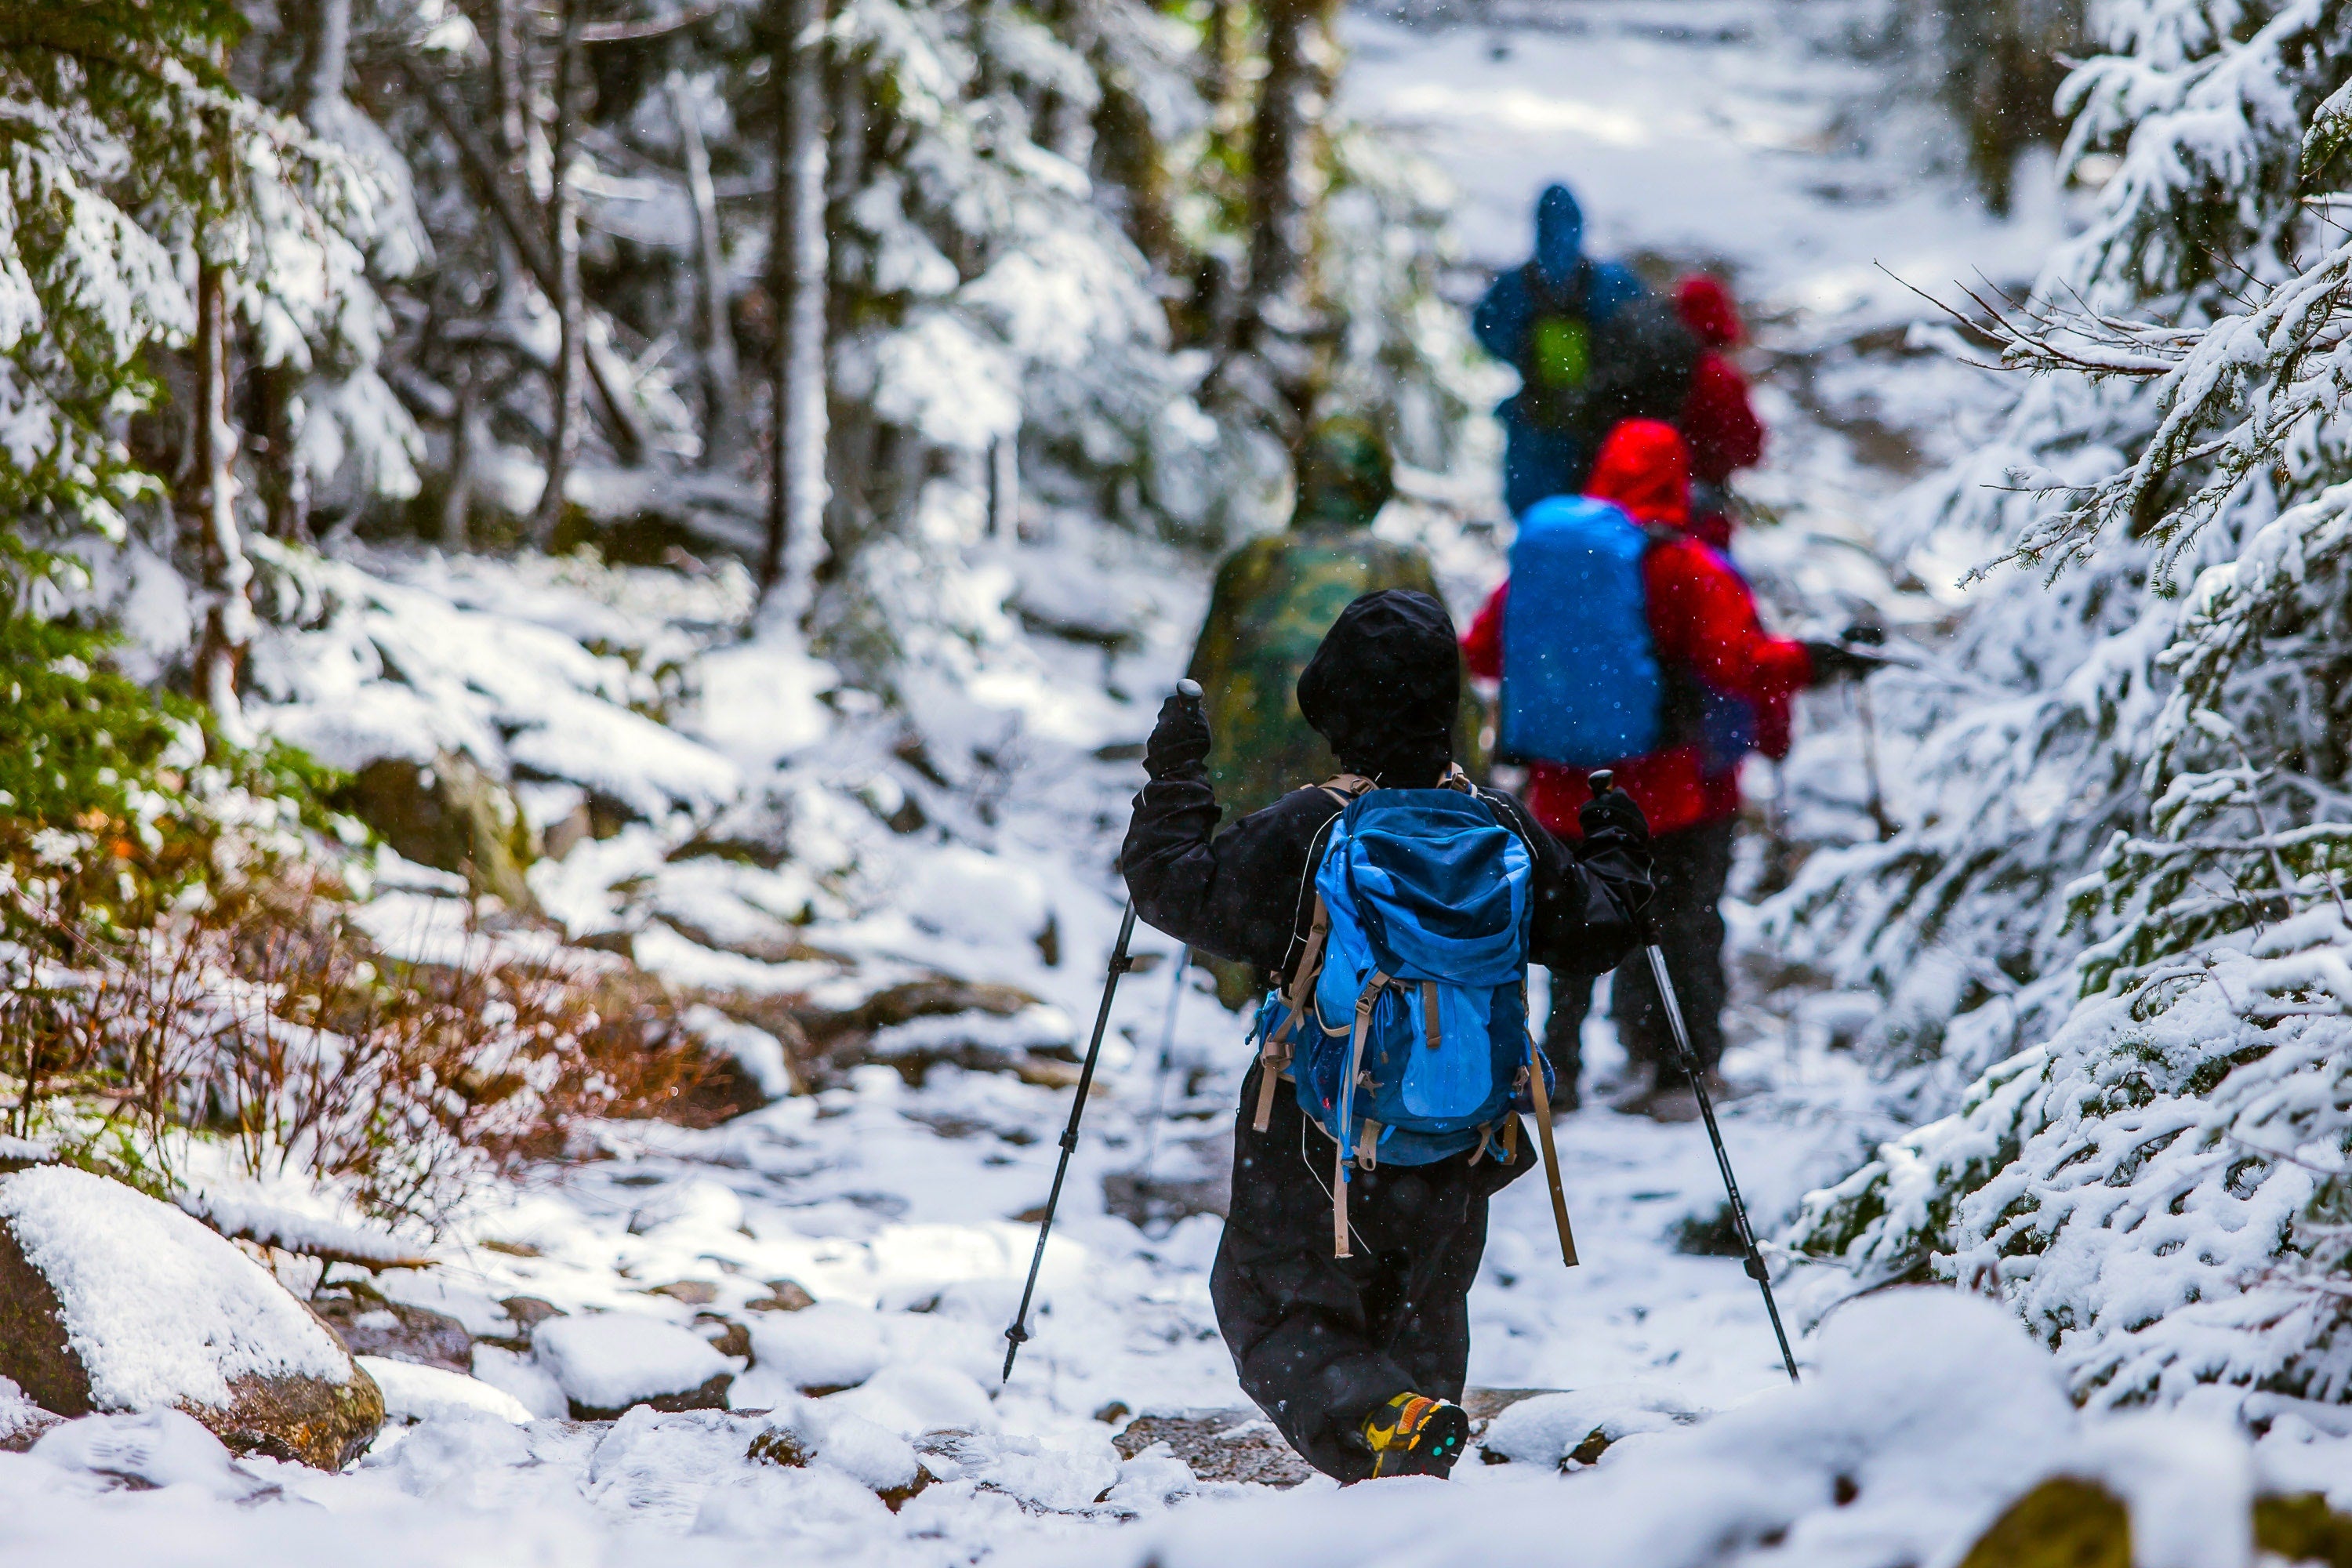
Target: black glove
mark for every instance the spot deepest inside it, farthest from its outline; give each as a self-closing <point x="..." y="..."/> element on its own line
<point x="1180" y="741"/>
<point x="1841" y="661"/>
<point x="1613" y="812"/>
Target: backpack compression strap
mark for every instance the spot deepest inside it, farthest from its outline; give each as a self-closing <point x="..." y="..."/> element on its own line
<point x="1544" y="1140"/>
<point x="1365" y="1000"/>
<point x="1274" y="1056"/>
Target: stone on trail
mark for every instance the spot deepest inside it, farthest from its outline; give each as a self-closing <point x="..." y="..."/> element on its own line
<point x="608" y="1362"/>
<point x="1220" y="1445"/>
<point x="416" y="1393"/>
<point x="373" y="1325"/>
<point x="1566" y="1430"/>
<point x="111" y="1301"/>
<point x="448" y="815"/>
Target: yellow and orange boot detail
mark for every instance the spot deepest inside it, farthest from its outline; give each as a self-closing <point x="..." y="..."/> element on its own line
<point x="1413" y="1435"/>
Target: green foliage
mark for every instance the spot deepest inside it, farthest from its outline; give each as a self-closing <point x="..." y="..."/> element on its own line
<point x="116" y="802"/>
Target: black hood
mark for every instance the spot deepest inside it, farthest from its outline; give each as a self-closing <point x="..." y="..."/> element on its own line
<point x="1384" y="686"/>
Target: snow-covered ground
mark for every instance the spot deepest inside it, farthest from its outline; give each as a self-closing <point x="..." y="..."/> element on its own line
<point x="903" y="1208"/>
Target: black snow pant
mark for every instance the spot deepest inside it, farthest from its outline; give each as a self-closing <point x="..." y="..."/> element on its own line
<point x="1320" y="1341"/>
<point x="1690" y="869"/>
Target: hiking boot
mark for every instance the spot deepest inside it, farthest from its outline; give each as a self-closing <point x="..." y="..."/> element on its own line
<point x="1413" y="1435"/>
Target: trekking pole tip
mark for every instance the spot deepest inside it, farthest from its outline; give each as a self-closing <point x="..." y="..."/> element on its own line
<point x="1189" y="689"/>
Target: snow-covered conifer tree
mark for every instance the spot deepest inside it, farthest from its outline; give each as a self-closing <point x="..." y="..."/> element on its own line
<point x="2176" y="780"/>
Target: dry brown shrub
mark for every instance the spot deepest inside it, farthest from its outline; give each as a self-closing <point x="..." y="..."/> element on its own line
<point x="275" y="1026"/>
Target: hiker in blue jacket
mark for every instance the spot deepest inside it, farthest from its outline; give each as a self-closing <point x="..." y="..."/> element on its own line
<point x="1359" y="1360"/>
<point x="1541" y="319"/>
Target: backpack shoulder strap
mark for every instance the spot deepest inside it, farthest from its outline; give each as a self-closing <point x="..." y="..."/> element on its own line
<point x="1347" y="788"/>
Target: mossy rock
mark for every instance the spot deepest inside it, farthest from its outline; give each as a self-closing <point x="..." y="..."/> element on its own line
<point x="2303" y="1528"/>
<point x="2064" y="1522"/>
<point x="449" y="815"/>
<point x="2068" y="1522"/>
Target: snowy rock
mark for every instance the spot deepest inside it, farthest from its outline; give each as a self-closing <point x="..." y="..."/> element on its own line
<point x="448" y="814"/>
<point x="609" y="1362"/>
<point x="833" y="1345"/>
<point x="372" y="1326"/>
<point x="412" y="1392"/>
<point x="1062" y="1475"/>
<point x="1218" y="1446"/>
<point x="910" y="1398"/>
<point x="245" y="1217"/>
<point x="1563" y="1429"/>
<point x="22" y="1422"/>
<point x="111" y="1301"/>
<point x="805" y="1431"/>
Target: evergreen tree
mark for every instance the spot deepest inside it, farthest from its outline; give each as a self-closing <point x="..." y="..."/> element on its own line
<point x="2181" y="467"/>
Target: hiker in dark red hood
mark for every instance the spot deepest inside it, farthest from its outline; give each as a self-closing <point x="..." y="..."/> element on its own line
<point x="1705" y="632"/>
<point x="1717" y="418"/>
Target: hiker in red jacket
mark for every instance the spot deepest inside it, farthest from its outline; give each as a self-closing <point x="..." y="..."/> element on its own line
<point x="1717" y="419"/>
<point x="1705" y="632"/>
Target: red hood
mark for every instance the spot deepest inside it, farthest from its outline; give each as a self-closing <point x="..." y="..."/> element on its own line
<point x="1706" y="310"/>
<point x="1644" y="467"/>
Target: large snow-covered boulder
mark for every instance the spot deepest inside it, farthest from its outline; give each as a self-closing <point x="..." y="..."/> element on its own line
<point x="112" y="1301"/>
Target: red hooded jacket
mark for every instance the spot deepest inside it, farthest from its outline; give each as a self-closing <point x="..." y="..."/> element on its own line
<point x="1702" y="619"/>
<point x="1717" y="418"/>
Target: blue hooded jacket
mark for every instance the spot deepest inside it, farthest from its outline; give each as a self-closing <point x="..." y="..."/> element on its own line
<point x="1500" y="322"/>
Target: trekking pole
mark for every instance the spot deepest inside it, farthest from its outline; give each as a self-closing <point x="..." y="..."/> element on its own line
<point x="1601" y="783"/>
<point x="1017" y="1333"/>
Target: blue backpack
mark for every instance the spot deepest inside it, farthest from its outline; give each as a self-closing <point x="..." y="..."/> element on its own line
<point x="1581" y="683"/>
<point x="1406" y="1024"/>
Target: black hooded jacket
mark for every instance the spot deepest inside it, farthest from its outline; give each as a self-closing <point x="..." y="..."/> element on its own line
<point x="1382" y="690"/>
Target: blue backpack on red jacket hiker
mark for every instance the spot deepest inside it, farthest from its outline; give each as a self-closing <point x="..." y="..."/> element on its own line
<point x="1582" y="682"/>
<point x="1405" y="1025"/>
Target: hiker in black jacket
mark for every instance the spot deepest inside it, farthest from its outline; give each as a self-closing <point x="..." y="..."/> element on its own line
<point x="1360" y="1361"/>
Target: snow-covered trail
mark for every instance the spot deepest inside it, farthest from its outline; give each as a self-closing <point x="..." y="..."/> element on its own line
<point x="901" y="1207"/>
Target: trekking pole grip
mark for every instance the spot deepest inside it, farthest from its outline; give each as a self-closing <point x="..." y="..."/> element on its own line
<point x="1601" y="781"/>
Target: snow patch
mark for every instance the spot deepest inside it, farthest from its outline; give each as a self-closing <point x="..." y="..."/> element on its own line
<point x="412" y="1392"/>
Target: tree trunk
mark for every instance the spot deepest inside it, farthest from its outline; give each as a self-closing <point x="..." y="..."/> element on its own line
<point x="722" y="430"/>
<point x="227" y="574"/>
<point x="511" y="203"/>
<point x="326" y="60"/>
<point x="510" y="65"/>
<point x="1276" y="211"/>
<point x="508" y="70"/>
<point x="798" y="261"/>
<point x="466" y="439"/>
<point x="319" y="98"/>
<point x="1272" y="324"/>
<point x="285" y="487"/>
<point x="564" y="214"/>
